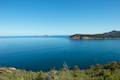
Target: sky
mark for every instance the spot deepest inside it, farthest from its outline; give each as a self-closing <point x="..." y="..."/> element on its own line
<point x="58" y="17"/>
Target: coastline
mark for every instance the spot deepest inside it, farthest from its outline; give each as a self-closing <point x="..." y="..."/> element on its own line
<point x="98" y="72"/>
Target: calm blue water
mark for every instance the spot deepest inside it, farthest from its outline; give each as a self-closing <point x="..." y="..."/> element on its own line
<point x="46" y="53"/>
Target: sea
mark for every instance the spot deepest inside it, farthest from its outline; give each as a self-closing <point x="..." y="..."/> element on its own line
<point x="46" y="53"/>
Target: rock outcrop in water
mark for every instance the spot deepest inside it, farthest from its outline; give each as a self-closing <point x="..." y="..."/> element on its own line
<point x="109" y="35"/>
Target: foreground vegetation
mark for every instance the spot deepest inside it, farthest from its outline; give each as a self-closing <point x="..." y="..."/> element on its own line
<point x="98" y="72"/>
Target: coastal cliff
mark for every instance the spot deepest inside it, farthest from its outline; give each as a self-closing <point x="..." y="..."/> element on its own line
<point x="108" y="35"/>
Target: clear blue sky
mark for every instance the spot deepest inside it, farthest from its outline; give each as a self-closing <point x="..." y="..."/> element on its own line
<point x="58" y="17"/>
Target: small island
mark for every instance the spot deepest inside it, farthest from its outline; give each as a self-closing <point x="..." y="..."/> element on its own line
<point x="108" y="35"/>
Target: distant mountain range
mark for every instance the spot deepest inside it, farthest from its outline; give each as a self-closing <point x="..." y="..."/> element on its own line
<point x="108" y="35"/>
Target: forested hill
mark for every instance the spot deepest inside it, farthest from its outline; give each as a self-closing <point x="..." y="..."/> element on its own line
<point x="108" y="35"/>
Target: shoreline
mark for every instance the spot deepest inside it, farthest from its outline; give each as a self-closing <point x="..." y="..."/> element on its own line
<point x="98" y="72"/>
